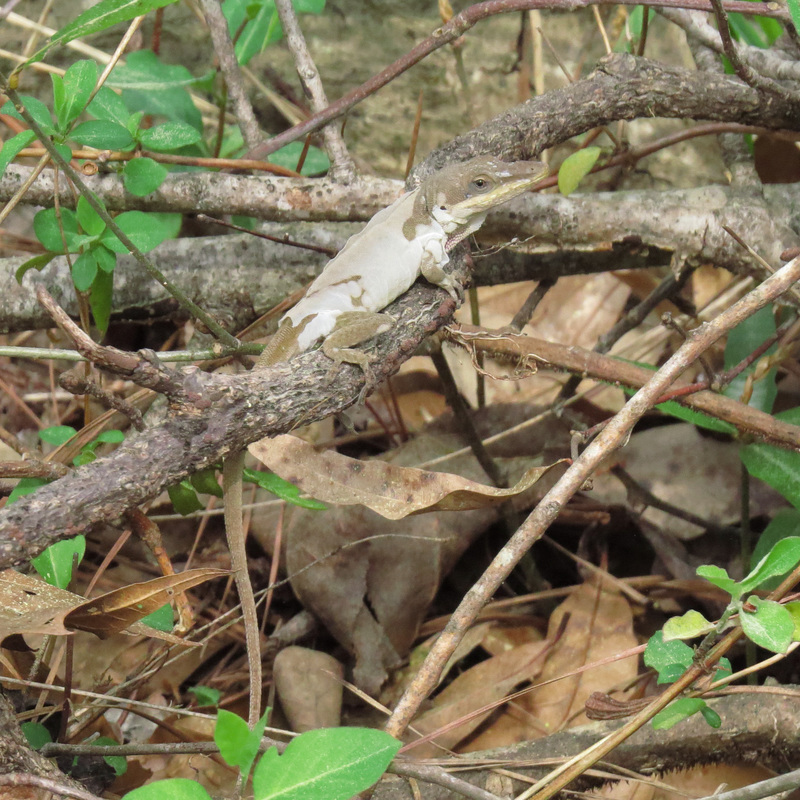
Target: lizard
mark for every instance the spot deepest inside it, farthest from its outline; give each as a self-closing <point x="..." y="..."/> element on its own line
<point x="408" y="239"/>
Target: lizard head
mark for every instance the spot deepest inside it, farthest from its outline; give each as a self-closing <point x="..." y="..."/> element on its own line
<point x="460" y="195"/>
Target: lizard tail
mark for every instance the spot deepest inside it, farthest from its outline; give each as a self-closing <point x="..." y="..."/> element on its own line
<point x="282" y="346"/>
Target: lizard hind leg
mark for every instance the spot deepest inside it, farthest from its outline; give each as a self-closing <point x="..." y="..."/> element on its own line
<point x="353" y="328"/>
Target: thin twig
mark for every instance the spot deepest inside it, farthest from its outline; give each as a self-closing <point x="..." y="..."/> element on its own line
<point x="341" y="163"/>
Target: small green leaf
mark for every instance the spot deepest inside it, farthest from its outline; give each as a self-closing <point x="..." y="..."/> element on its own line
<point x="688" y="626"/>
<point x="742" y="341"/>
<point x="172" y="788"/>
<point x="71" y="93"/>
<point x="670" y="659"/>
<point x="281" y="488"/>
<point x="145" y="230"/>
<point x="55" y="563"/>
<point x="88" y="218"/>
<point x="100" y="16"/>
<point x="238" y="745"/>
<point x="205" y="481"/>
<point x="262" y="30"/>
<point x="770" y="626"/>
<point x="106" y="260"/>
<point x="184" y="498"/>
<point x="316" y="162"/>
<point x="36" y="734"/>
<point x="794" y="612"/>
<point x="112" y="436"/>
<point x="37" y="262"/>
<point x="309" y="6"/>
<point x="25" y="486"/>
<point x="109" y="106"/>
<point x="206" y="695"/>
<point x="160" y="619"/>
<point x="12" y="147"/>
<point x="779" y="468"/>
<point x="575" y="168"/>
<point x="36" y="108"/>
<point x="84" y="271"/>
<point x="719" y="577"/>
<point x="711" y="717"/>
<point x="57" y="435"/>
<point x="118" y="763"/>
<point x="783" y="557"/>
<point x="48" y="230"/>
<point x="103" y="135"/>
<point x="169" y="136"/>
<point x="143" y="175"/>
<point x="334" y="763"/>
<point x="101" y="298"/>
<point x="678" y="711"/>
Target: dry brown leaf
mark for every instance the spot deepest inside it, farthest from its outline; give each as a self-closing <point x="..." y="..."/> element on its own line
<point x="393" y="492"/>
<point x="479" y="686"/>
<point x="600" y="625"/>
<point x="114" y="611"/>
<point x="30" y="605"/>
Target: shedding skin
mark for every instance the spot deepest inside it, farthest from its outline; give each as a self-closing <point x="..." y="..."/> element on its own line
<point x="406" y="240"/>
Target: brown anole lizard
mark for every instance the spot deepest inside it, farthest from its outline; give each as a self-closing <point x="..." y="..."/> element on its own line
<point x="409" y="238"/>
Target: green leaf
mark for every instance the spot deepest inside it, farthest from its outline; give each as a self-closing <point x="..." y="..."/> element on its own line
<point x="97" y="18"/>
<point x="37" y="262"/>
<point x="84" y="271"/>
<point x="160" y="619"/>
<point x="770" y="626"/>
<point x="688" y="626"/>
<point x="316" y="162"/>
<point x="742" y="341"/>
<point x="238" y="745"/>
<point x="205" y="481"/>
<point x="743" y="30"/>
<point x="309" y="6"/>
<point x="88" y="218"/>
<point x="71" y="93"/>
<point x="670" y="659"/>
<point x="25" y="486"/>
<point x="36" y="108"/>
<point x="184" y="498"/>
<point x="57" y="435"/>
<point x="109" y="106"/>
<point x="36" y="734"/>
<point x="154" y="87"/>
<point x="711" y="717"/>
<point x="784" y="523"/>
<point x="779" y="468"/>
<point x="206" y="695"/>
<point x="782" y="558"/>
<point x="697" y="418"/>
<point x="677" y="712"/>
<point x="330" y="763"/>
<point x="12" y="147"/>
<point x="118" y="763"/>
<point x="55" y="563"/>
<point x="103" y="135"/>
<point x="263" y="30"/>
<point x="172" y="788"/>
<point x="281" y="488"/>
<point x="794" y="612"/>
<point x="48" y="230"/>
<point x="719" y="577"/>
<point x="100" y="299"/>
<point x="145" y="230"/>
<point x="169" y="136"/>
<point x="106" y="260"/>
<point x="108" y="437"/>
<point x="143" y="175"/>
<point x="575" y="168"/>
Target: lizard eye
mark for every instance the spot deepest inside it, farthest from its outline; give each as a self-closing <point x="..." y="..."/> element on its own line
<point x="480" y="185"/>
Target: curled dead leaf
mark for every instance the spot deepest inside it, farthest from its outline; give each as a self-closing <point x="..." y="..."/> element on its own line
<point x="114" y="611"/>
<point x="392" y="491"/>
